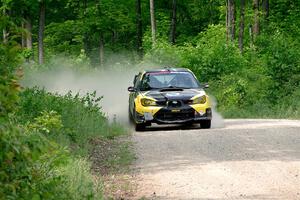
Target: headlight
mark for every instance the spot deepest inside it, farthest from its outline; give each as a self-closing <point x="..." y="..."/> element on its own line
<point x="199" y="100"/>
<point x="148" y="102"/>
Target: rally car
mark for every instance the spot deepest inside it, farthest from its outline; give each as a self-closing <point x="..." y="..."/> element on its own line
<point x="168" y="96"/>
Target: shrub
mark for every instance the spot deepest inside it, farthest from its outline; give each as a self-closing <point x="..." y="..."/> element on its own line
<point x="210" y="58"/>
<point x="9" y="87"/>
<point x="47" y="122"/>
<point x="81" y="117"/>
<point x="280" y="53"/>
<point x="33" y="167"/>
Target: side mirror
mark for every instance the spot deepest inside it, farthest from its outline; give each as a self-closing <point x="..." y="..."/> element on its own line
<point x="131" y="89"/>
<point x="206" y="85"/>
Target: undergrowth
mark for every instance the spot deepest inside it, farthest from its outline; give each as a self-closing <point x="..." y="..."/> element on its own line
<point x="45" y="146"/>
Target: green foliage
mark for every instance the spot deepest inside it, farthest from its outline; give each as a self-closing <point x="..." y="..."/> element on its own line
<point x="162" y="54"/>
<point x="9" y="87"/>
<point x="210" y="57"/>
<point x="281" y="54"/>
<point x="33" y="167"/>
<point x="79" y="180"/>
<point x="41" y="147"/>
<point x="81" y="117"/>
<point x="21" y="156"/>
<point x="47" y="122"/>
<point x="261" y="82"/>
<point x="64" y="37"/>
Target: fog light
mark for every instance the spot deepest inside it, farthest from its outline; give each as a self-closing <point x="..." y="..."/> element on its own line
<point x="148" y="116"/>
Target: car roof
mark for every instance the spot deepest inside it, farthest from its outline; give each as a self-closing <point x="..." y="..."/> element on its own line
<point x="168" y="69"/>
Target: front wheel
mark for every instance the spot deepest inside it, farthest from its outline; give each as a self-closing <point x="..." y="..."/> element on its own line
<point x="140" y="127"/>
<point x="205" y="124"/>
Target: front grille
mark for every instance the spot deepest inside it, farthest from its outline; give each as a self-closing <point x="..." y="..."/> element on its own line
<point x="174" y="104"/>
<point x="173" y="116"/>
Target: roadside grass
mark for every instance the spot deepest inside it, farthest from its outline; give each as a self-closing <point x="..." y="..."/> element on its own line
<point x="80" y="180"/>
<point x="111" y="159"/>
<point x="46" y="147"/>
<point x="263" y="111"/>
<point x="121" y="158"/>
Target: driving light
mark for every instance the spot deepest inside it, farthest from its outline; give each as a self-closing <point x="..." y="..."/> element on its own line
<point x="200" y="100"/>
<point x="148" y="102"/>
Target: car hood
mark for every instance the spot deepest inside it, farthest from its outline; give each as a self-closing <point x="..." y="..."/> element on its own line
<point x="184" y="94"/>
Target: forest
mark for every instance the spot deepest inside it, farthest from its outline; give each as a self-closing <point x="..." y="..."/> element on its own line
<point x="247" y="50"/>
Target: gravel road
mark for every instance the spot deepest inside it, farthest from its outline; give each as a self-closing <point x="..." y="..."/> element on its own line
<point x="247" y="159"/>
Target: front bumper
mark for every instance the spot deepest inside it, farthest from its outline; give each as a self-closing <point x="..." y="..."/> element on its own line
<point x="174" y="116"/>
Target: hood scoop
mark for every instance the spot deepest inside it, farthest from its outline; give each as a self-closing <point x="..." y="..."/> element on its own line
<point x="170" y="89"/>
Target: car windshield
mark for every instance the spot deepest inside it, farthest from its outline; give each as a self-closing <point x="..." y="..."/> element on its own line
<point x="162" y="80"/>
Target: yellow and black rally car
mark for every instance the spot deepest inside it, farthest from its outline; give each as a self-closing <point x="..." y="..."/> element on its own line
<point x="168" y="96"/>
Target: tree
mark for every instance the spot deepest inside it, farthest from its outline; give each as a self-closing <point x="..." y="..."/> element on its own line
<point x="173" y="23"/>
<point x="242" y="25"/>
<point x="256" y="18"/>
<point x="42" y="10"/>
<point x="265" y="5"/>
<point x="85" y="34"/>
<point x="139" y="29"/>
<point x="5" y="32"/>
<point x="230" y="20"/>
<point x="101" y="38"/>
<point x="153" y="22"/>
<point x="101" y="49"/>
<point x="28" y="27"/>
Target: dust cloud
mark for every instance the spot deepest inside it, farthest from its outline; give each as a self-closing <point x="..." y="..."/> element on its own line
<point x="110" y="83"/>
<point x="217" y="119"/>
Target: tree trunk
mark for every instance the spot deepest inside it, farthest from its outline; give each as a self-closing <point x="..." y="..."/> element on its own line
<point x="85" y="34"/>
<point x="23" y="36"/>
<point x="41" y="32"/>
<point x="114" y="37"/>
<point x="227" y="22"/>
<point x="101" y="49"/>
<point x="251" y="35"/>
<point x="28" y="27"/>
<point x="266" y="6"/>
<point x="173" y="23"/>
<point x="5" y="33"/>
<point x="230" y="20"/>
<point x="256" y="18"/>
<point x="242" y="25"/>
<point x="153" y="22"/>
<point x="139" y="30"/>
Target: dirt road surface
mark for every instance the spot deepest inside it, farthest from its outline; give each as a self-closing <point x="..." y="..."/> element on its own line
<point x="246" y="159"/>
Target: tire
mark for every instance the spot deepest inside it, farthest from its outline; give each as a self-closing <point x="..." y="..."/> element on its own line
<point x="205" y="124"/>
<point x="130" y="118"/>
<point x="140" y="127"/>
